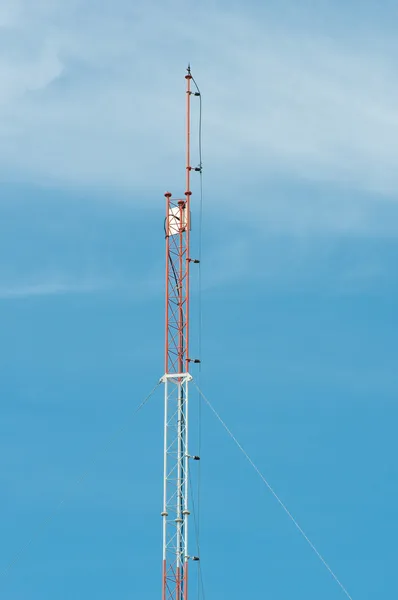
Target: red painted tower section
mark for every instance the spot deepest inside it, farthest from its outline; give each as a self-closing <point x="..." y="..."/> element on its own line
<point x="177" y="227"/>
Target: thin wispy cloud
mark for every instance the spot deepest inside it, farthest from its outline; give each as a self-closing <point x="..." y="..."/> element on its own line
<point x="51" y="288"/>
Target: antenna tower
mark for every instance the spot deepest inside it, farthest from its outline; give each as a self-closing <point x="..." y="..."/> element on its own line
<point x="176" y="382"/>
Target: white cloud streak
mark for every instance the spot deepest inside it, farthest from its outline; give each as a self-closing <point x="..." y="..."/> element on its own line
<point x="29" y="290"/>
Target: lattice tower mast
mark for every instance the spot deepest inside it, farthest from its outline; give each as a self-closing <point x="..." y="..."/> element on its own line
<point x="176" y="383"/>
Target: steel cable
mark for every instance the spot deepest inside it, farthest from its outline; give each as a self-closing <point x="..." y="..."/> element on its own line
<point x="289" y="514"/>
<point x="49" y="518"/>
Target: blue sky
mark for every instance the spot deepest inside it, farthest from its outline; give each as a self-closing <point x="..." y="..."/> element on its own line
<point x="300" y="291"/>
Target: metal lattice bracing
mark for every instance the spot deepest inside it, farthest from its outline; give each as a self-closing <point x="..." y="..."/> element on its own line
<point x="176" y="382"/>
<point x="175" y="501"/>
<point x="177" y="282"/>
